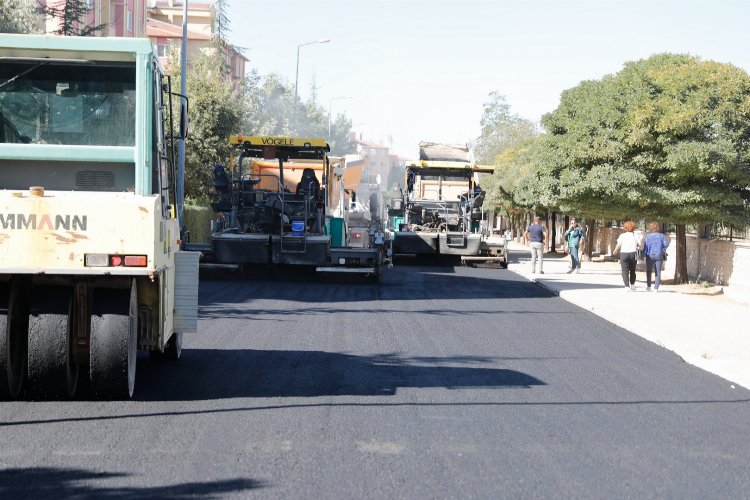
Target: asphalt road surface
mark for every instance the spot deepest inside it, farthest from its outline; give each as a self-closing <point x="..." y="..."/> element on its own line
<point x="441" y="382"/>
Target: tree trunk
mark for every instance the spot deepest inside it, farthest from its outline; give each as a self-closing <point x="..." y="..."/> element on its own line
<point x="680" y="263"/>
<point x="553" y="232"/>
<point x="590" y="226"/>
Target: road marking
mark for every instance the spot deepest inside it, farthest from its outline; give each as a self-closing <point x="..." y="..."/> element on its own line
<point x="383" y="447"/>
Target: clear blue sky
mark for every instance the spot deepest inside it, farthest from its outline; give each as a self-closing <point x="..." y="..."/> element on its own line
<point x="421" y="70"/>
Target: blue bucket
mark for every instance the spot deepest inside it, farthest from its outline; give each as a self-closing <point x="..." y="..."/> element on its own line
<point x="298" y="228"/>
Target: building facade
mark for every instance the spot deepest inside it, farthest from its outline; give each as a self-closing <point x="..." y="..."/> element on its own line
<point x="377" y="159"/>
<point x="164" y="27"/>
<point x="161" y="21"/>
<point x="123" y="18"/>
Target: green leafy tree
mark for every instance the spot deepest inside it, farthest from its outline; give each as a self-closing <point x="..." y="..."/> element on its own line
<point x="501" y="129"/>
<point x="264" y="106"/>
<point x="19" y="16"/>
<point x="504" y="140"/>
<point x="525" y="179"/>
<point x="272" y="111"/>
<point x="692" y="133"/>
<point x="586" y="139"/>
<point x="72" y="16"/>
<point x="339" y="140"/>
<point x="666" y="138"/>
<point x="216" y="112"/>
<point x="271" y="106"/>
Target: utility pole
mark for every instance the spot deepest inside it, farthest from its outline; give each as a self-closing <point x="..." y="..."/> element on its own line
<point x="180" y="188"/>
<point x="296" y="74"/>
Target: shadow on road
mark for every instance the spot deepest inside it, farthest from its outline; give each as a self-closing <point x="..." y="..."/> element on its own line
<point x="219" y="374"/>
<point x="47" y="482"/>
<point x="411" y="284"/>
<point x="301" y="314"/>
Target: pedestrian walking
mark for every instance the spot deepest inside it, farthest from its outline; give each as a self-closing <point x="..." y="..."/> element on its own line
<point x="628" y="244"/>
<point x="655" y="250"/>
<point x="534" y="235"/>
<point x="574" y="242"/>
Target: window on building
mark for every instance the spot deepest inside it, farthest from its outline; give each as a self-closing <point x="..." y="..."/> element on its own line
<point x="130" y="22"/>
<point x="89" y="4"/>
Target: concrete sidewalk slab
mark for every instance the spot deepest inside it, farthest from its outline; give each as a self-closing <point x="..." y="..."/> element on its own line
<point x="704" y="330"/>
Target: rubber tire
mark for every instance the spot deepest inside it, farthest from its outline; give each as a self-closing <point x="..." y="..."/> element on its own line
<point x="4" y="299"/>
<point x="377" y="276"/>
<point x="13" y="339"/>
<point x="114" y="342"/>
<point x="51" y="371"/>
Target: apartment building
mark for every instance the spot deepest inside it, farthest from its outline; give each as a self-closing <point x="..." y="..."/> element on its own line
<point x="161" y="21"/>
<point x="377" y="159"/>
<point x="125" y="18"/>
<point x="164" y="27"/>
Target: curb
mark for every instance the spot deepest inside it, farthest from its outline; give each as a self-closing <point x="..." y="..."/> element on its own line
<point x="541" y="284"/>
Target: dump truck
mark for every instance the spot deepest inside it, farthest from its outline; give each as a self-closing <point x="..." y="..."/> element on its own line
<point x="91" y="268"/>
<point x="440" y="213"/>
<point x="282" y="201"/>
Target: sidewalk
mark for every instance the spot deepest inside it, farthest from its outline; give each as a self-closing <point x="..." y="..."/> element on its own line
<point x="708" y="331"/>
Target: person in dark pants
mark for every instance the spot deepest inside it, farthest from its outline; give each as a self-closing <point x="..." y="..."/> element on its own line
<point x="654" y="248"/>
<point x="574" y="241"/>
<point x="534" y="234"/>
<point x="627" y="246"/>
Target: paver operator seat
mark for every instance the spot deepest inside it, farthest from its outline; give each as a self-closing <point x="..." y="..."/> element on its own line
<point x="308" y="185"/>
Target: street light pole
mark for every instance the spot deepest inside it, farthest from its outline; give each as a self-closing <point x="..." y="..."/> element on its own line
<point x="180" y="187"/>
<point x="329" y="111"/>
<point x="296" y="74"/>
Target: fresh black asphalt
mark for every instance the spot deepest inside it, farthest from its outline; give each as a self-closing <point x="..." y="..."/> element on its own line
<point x="441" y="382"/>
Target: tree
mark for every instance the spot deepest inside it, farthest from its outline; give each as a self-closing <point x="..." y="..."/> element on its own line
<point x="72" y="16"/>
<point x="504" y="142"/>
<point x="313" y="89"/>
<point x="339" y="139"/>
<point x="586" y="136"/>
<point x="666" y="138"/>
<point x="216" y="112"/>
<point x="222" y="28"/>
<point x="263" y="106"/>
<point x="501" y="129"/>
<point x="525" y="179"/>
<point x="527" y="175"/>
<point x="19" y="16"/>
<point x="270" y="106"/>
<point x="272" y="112"/>
<point x="694" y="130"/>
